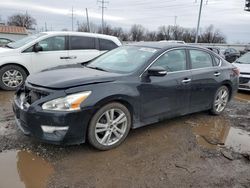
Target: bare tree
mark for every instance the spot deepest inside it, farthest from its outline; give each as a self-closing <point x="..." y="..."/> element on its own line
<point x="210" y="35"/>
<point x="151" y="36"/>
<point x="164" y="33"/>
<point x="137" y="32"/>
<point x="22" y="20"/>
<point x="83" y="27"/>
<point x="189" y="35"/>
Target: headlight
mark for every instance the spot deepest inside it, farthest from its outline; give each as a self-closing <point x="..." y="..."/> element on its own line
<point x="68" y="103"/>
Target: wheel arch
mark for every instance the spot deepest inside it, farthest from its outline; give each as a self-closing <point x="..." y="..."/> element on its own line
<point x="228" y="84"/>
<point x="16" y="64"/>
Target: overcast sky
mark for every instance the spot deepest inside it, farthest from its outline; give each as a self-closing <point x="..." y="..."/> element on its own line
<point x="227" y="15"/>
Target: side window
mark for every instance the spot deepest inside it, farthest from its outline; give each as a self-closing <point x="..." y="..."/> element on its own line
<point x="172" y="61"/>
<point x="30" y="49"/>
<point x="217" y="61"/>
<point x="82" y="43"/>
<point x="53" y="43"/>
<point x="107" y="44"/>
<point x="200" y="59"/>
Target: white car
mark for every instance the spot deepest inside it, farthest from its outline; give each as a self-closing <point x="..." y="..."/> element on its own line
<point x="49" y="49"/>
<point x="243" y="64"/>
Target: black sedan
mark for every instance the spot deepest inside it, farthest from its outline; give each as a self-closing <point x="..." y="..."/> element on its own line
<point x="126" y="88"/>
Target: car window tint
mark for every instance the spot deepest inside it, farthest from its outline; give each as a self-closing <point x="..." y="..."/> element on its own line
<point x="107" y="44"/>
<point x="53" y="43"/>
<point x="172" y="61"/>
<point x="30" y="49"/>
<point x="200" y="59"/>
<point x="82" y="43"/>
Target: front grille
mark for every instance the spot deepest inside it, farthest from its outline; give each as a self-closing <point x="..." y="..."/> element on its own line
<point x="243" y="80"/>
<point x="32" y="94"/>
<point x="246" y="73"/>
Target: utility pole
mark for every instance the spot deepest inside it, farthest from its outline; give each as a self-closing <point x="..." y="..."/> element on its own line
<point x="72" y="19"/>
<point x="198" y="24"/>
<point x="175" y="20"/>
<point x="103" y="2"/>
<point x="87" y="16"/>
<point x="45" y="26"/>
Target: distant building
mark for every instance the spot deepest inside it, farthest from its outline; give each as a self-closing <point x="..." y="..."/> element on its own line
<point x="13" y="32"/>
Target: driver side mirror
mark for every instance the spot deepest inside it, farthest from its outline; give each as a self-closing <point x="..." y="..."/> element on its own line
<point x="157" y="71"/>
<point x="37" y="48"/>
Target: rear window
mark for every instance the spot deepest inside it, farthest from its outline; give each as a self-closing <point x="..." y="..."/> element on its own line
<point x="107" y="44"/>
<point x="82" y="43"/>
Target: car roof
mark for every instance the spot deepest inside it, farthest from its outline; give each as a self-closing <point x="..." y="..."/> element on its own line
<point x="162" y="45"/>
<point x="80" y="34"/>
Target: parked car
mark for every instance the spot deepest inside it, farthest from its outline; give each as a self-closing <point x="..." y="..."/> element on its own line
<point x="49" y="49"/>
<point x="128" y="87"/>
<point x="246" y="49"/>
<point x="173" y="41"/>
<point x="243" y="64"/>
<point x="216" y="50"/>
<point x="231" y="54"/>
<point x="4" y="41"/>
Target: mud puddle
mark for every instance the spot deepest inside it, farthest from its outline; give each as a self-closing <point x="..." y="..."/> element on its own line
<point x="214" y="133"/>
<point x="243" y="97"/>
<point x="23" y="169"/>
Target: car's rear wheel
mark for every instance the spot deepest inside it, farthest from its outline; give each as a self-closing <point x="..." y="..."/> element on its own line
<point x="11" y="77"/>
<point x="220" y="100"/>
<point x="109" y="126"/>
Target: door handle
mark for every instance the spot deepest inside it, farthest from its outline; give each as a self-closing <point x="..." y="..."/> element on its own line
<point x="217" y="74"/>
<point x="186" y="80"/>
<point x="68" y="57"/>
<point x="65" y="57"/>
<point x="72" y="57"/>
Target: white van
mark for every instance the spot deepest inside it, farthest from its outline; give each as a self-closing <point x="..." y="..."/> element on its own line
<point x="49" y="49"/>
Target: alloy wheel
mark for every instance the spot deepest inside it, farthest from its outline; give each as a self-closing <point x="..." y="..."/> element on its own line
<point x="111" y="126"/>
<point x="12" y="78"/>
<point x="221" y="99"/>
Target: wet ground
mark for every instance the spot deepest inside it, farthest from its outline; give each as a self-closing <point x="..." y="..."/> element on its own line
<point x="197" y="150"/>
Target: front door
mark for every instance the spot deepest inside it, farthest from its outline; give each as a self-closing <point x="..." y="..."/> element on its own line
<point x="167" y="96"/>
<point x="53" y="54"/>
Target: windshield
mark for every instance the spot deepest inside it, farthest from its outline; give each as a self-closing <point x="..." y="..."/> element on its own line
<point x="245" y="59"/>
<point x="24" y="41"/>
<point x="123" y="59"/>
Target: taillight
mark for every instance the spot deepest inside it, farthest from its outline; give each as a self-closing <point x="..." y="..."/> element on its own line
<point x="236" y="71"/>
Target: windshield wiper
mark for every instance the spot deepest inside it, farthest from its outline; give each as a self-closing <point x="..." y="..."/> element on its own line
<point x="97" y="68"/>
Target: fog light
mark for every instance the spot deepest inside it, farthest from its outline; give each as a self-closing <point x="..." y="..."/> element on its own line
<point x="51" y="129"/>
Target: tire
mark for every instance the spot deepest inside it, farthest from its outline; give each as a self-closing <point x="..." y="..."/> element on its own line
<point x="220" y="100"/>
<point x="11" y="77"/>
<point x="104" y="134"/>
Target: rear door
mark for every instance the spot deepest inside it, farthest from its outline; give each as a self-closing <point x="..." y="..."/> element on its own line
<point x="205" y="79"/>
<point x="106" y="45"/>
<point x="82" y="49"/>
<point x="167" y="96"/>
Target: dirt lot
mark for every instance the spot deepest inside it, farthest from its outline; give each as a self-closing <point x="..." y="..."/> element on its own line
<point x="197" y="150"/>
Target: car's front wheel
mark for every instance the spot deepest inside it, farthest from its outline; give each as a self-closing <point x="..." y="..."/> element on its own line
<point x="109" y="126"/>
<point x="11" y="77"/>
<point x="220" y="100"/>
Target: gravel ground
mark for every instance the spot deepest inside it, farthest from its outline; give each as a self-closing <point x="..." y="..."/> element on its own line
<point x="197" y="150"/>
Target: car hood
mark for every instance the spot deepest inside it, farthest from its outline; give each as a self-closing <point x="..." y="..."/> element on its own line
<point x="242" y="67"/>
<point x="70" y="77"/>
<point x="5" y="51"/>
